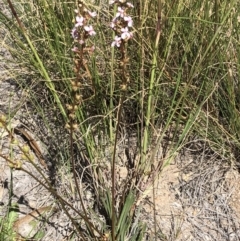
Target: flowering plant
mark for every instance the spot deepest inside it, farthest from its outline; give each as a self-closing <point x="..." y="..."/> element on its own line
<point x="121" y="23"/>
<point x="81" y="31"/>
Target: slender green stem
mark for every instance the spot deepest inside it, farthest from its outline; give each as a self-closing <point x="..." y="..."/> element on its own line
<point x="114" y="165"/>
<point x="112" y="87"/>
<point x="151" y="84"/>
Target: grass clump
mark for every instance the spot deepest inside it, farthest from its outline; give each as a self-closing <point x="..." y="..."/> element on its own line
<point x="7" y="223"/>
<point x="124" y="79"/>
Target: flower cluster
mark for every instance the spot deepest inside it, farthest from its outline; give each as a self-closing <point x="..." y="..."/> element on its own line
<point x="81" y="31"/>
<point x="121" y="23"/>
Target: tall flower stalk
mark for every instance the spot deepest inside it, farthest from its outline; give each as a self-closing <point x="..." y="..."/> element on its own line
<point x="81" y="32"/>
<point x="121" y="25"/>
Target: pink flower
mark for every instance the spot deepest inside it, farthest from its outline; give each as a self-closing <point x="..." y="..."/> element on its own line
<point x="112" y="25"/>
<point x="75" y="49"/>
<point x="117" y="41"/>
<point x="74" y="33"/>
<point x="120" y="12"/>
<point x="92" y="14"/>
<point x="122" y="21"/>
<point x="130" y="5"/>
<point x="129" y="21"/>
<point x="90" y="30"/>
<point x="125" y="34"/>
<point x="79" y="21"/>
<point x="92" y="49"/>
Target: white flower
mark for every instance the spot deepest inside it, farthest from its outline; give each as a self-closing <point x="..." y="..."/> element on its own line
<point x="129" y="20"/>
<point x="79" y="21"/>
<point x="92" y="14"/>
<point x="90" y="30"/>
<point x="130" y="5"/>
<point x="112" y="25"/>
<point x="126" y="34"/>
<point x="120" y="12"/>
<point x="117" y="41"/>
<point x="75" y="49"/>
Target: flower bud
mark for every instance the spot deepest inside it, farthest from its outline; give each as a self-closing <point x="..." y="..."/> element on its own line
<point x="124" y="87"/>
<point x="75" y="126"/>
<point x="75" y="107"/>
<point x="74" y="88"/>
<point x="18" y="164"/>
<point x="72" y="116"/>
<point x="25" y="149"/>
<point x="78" y="97"/>
<point x="31" y="158"/>
<point x="14" y="141"/>
<point x="3" y="118"/>
<point x="69" y="107"/>
<point x="67" y="126"/>
<point x="11" y="165"/>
